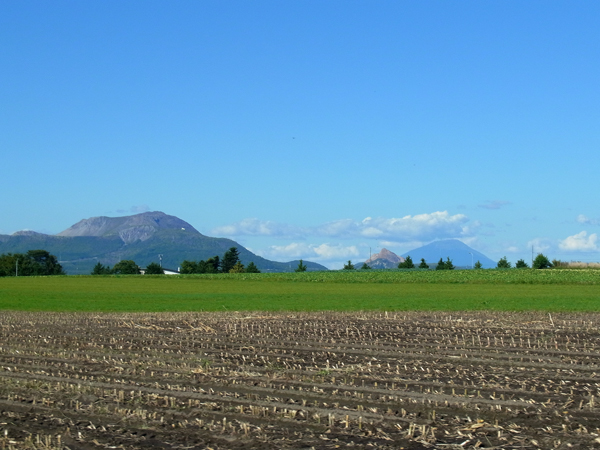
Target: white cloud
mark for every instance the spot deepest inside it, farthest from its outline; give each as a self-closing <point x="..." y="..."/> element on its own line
<point x="580" y="242"/>
<point x="338" y="228"/>
<point x="420" y="227"/>
<point x="136" y="209"/>
<point x="313" y="252"/>
<point x="256" y="227"/>
<point x="581" y="218"/>
<point x="539" y="244"/>
<point x="423" y="227"/>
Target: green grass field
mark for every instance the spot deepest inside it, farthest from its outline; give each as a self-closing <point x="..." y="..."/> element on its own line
<point x="510" y="290"/>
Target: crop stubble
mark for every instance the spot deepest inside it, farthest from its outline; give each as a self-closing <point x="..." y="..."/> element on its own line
<point x="299" y="380"/>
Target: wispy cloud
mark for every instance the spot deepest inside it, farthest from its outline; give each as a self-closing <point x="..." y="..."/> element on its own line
<point x="540" y="244"/>
<point x="420" y="227"/>
<point x="580" y="242"/>
<point x="314" y="252"/>
<point x="136" y="209"/>
<point x="586" y="220"/>
<point x="493" y="204"/>
<point x="256" y="227"/>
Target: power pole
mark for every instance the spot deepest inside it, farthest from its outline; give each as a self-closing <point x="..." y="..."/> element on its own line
<point x="17" y="269"/>
<point x="532" y="256"/>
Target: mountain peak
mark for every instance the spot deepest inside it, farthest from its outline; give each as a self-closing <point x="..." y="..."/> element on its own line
<point x="27" y="233"/>
<point x="459" y="252"/>
<point x="129" y="228"/>
<point x="387" y="255"/>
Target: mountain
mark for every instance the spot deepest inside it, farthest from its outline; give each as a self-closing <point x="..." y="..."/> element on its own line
<point x="129" y="228"/>
<point x="385" y="259"/>
<point x="141" y="238"/>
<point x="460" y="253"/>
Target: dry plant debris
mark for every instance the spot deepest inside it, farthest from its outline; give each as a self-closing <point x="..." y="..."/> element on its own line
<point x="299" y="380"/>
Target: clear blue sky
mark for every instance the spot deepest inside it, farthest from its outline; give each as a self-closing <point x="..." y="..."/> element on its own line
<point x="308" y="129"/>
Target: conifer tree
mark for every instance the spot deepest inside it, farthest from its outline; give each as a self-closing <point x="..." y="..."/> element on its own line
<point x="230" y="259"/>
<point x="407" y="263"/>
<point x="251" y="268"/>
<point x="301" y="267"/>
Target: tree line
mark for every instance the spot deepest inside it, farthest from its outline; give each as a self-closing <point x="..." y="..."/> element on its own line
<point x="230" y="263"/>
<point x="41" y="262"/>
<point x="540" y="262"/>
<point x="32" y="263"/>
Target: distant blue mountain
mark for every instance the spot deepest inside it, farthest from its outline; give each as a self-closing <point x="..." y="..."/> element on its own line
<point x="458" y="252"/>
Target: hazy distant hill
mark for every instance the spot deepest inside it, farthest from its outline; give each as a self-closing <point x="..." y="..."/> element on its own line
<point x="141" y="237"/>
<point x="457" y="251"/>
<point x="385" y="259"/>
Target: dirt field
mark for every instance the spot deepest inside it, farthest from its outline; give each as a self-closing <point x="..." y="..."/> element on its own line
<point x="320" y="380"/>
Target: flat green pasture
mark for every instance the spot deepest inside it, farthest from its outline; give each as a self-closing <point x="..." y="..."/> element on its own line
<point x="295" y="292"/>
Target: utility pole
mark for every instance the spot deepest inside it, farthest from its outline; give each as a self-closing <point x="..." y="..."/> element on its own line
<point x="471" y="259"/>
<point x="160" y="260"/>
<point x="17" y="269"/>
<point x="532" y="256"/>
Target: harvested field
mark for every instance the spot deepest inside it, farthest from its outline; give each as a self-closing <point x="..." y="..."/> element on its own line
<point x="299" y="380"/>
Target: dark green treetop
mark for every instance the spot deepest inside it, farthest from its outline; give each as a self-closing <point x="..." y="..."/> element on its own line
<point x="238" y="268"/>
<point x="349" y="266"/>
<point x="441" y="265"/>
<point x="423" y="264"/>
<point x="211" y="265"/>
<point x="541" y="262"/>
<point x="230" y="259"/>
<point x="301" y="267"/>
<point x="521" y="264"/>
<point x="101" y="269"/>
<point x="188" y="267"/>
<point x="34" y="262"/>
<point x="407" y="263"/>
<point x="126" y="267"/>
<point x="503" y="263"/>
<point x="154" y="269"/>
<point x="251" y="268"/>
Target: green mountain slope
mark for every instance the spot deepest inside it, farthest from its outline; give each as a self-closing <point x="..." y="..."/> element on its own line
<point x="141" y="238"/>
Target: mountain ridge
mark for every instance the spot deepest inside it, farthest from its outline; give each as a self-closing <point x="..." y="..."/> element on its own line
<point x="129" y="228"/>
<point x="385" y="259"/>
<point x="139" y="237"/>
<point x="460" y="253"/>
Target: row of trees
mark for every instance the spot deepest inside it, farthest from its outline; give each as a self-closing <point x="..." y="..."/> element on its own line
<point x="229" y="264"/>
<point x="540" y="262"/>
<point x="406" y="264"/>
<point x="34" y="262"/>
<point x="126" y="267"/>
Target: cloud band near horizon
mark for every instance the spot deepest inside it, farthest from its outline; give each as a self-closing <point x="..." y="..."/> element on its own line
<point x="422" y="227"/>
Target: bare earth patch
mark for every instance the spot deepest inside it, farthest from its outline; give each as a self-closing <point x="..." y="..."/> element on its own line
<point x="299" y="380"/>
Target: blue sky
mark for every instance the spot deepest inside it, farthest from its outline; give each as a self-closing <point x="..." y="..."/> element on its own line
<point x="308" y="129"/>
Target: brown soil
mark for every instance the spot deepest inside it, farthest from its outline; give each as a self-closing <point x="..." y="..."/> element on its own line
<point x="299" y="380"/>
